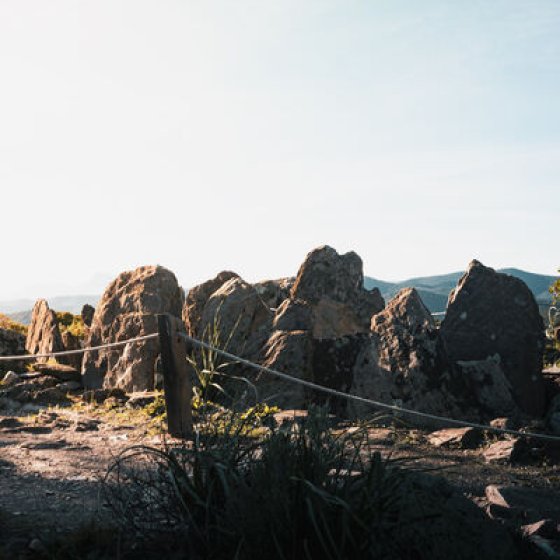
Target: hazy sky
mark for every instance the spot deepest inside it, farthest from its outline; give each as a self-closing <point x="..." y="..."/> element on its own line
<point x="205" y="135"/>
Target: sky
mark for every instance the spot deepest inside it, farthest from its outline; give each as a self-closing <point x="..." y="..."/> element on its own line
<point x="208" y="135"/>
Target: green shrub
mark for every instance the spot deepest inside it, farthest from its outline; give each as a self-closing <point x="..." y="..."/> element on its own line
<point x="299" y="492"/>
<point x="74" y="324"/>
<point x="9" y="324"/>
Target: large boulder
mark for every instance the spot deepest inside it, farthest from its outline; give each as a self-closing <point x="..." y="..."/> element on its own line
<point x="235" y="318"/>
<point x="197" y="298"/>
<point x="43" y="335"/>
<point x="289" y="353"/>
<point x="12" y="343"/>
<point x="488" y="389"/>
<point x="492" y="314"/>
<point x="411" y="350"/>
<point x="322" y="330"/>
<point x="333" y="285"/>
<point x="128" y="309"/>
<point x="409" y="339"/>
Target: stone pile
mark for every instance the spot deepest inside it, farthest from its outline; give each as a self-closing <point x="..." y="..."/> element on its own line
<point x="484" y="361"/>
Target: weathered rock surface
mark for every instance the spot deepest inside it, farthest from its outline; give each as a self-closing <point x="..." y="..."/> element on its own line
<point x="290" y="353"/>
<point x="332" y="285"/>
<point x="197" y="298"/>
<point x="242" y="320"/>
<point x="274" y="292"/>
<point x="487" y="387"/>
<point x="43" y="336"/>
<point x="12" y="343"/>
<point x="411" y="351"/>
<point x="491" y="313"/>
<point x="128" y="309"/>
<point x="322" y="330"/>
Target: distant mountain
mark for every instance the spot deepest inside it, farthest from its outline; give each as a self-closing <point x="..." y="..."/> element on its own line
<point x="20" y="309"/>
<point x="434" y="290"/>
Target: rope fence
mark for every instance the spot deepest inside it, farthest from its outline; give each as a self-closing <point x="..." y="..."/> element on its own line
<point x="291" y="379"/>
<point x="363" y="400"/>
<point x="79" y="350"/>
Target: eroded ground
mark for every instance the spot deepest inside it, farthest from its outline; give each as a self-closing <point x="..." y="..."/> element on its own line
<point x="52" y="465"/>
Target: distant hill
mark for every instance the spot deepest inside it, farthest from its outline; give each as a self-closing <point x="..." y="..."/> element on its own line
<point x="434" y="290"/>
<point x="20" y="309"/>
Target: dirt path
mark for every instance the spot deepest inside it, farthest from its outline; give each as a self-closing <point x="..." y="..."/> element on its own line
<point x="51" y="465"/>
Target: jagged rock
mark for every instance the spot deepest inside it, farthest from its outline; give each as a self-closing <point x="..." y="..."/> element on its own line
<point x="321" y="332"/>
<point x="43" y="336"/>
<point x="274" y="292"/>
<point x="332" y="285"/>
<point x="466" y="438"/>
<point x="411" y="350"/>
<point x="408" y="337"/>
<point x="12" y="343"/>
<point x="88" y="311"/>
<point x="128" y="309"/>
<point x="492" y="313"/>
<point x="197" y="298"/>
<point x="242" y="321"/>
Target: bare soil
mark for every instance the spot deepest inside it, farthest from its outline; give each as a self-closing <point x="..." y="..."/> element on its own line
<point x="52" y="465"/>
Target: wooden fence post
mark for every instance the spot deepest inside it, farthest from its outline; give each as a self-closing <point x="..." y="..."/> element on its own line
<point x="177" y="384"/>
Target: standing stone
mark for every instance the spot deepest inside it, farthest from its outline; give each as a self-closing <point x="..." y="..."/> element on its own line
<point x="235" y="318"/>
<point x="409" y="339"/>
<point x="411" y="349"/>
<point x="128" y="309"/>
<point x="321" y="332"/>
<point x="333" y="285"/>
<point x="87" y="314"/>
<point x="43" y="336"/>
<point x="197" y="298"/>
<point x="489" y="314"/>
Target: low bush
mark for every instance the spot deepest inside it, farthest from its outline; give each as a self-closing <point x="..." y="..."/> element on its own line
<point x="68" y="322"/>
<point x="300" y="492"/>
<point x="10" y="325"/>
